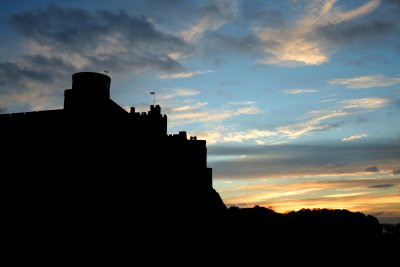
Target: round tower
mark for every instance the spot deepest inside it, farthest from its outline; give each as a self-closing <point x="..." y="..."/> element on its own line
<point x="89" y="90"/>
<point x="92" y="84"/>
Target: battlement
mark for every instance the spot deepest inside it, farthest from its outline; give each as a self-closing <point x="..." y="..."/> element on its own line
<point x="182" y="136"/>
<point x="155" y="111"/>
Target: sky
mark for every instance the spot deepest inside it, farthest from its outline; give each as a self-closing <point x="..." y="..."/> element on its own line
<point x="298" y="100"/>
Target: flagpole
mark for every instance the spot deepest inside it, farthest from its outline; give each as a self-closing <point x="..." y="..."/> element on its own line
<point x="154" y="98"/>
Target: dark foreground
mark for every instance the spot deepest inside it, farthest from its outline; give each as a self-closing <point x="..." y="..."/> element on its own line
<point x="173" y="235"/>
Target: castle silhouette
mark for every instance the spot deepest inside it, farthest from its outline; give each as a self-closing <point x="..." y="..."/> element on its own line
<point x="94" y="159"/>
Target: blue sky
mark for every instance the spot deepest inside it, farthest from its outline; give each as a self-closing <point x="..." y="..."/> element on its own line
<point x="298" y="100"/>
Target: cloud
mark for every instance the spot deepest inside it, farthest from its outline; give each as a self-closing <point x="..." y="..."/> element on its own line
<point x="31" y="84"/>
<point x="365" y="103"/>
<point x="60" y="41"/>
<point x="184" y="110"/>
<point x="213" y="17"/>
<point x="290" y="51"/>
<point x="249" y="110"/>
<point x="367" y="81"/>
<point x="170" y="93"/>
<point x="190" y="105"/>
<point x="347" y="194"/>
<point x="300" y="91"/>
<point x="185" y="74"/>
<point x="357" y="12"/>
<point x="219" y="136"/>
<point x="116" y="40"/>
<point x="266" y="161"/>
<point x="372" y="169"/>
<point x="327" y="100"/>
<point x="296" y="130"/>
<point x="382" y="186"/>
<point x="211" y="115"/>
<point x="317" y="121"/>
<point x="369" y="32"/>
<point x="392" y="3"/>
<point x="338" y="184"/>
<point x="300" y="43"/>
<point x="242" y="103"/>
<point x="246" y="135"/>
<point x="219" y="43"/>
<point x="226" y="135"/>
<point x="354" y="137"/>
<point x="261" y="13"/>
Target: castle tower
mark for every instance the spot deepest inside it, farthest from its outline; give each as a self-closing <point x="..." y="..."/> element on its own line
<point x="90" y="91"/>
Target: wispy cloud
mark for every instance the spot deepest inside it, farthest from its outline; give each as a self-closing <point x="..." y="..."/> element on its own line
<point x="354" y="137"/>
<point x="227" y="135"/>
<point x="186" y="114"/>
<point x="247" y="135"/>
<point x="315" y="124"/>
<point x="365" y="103"/>
<point x="169" y="93"/>
<point x="371" y="81"/>
<point x="241" y="103"/>
<point x="384" y="186"/>
<point x="372" y="169"/>
<point x="327" y="100"/>
<point x="274" y="195"/>
<point x="214" y="17"/>
<point x="345" y="159"/>
<point x="318" y="119"/>
<point x="346" y="194"/>
<point x="338" y="185"/>
<point x="249" y="110"/>
<point x="260" y="142"/>
<point x="341" y="16"/>
<point x="189" y="105"/>
<point x="210" y="115"/>
<point x="300" y="91"/>
<point x="184" y="74"/>
<point x="294" y="44"/>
